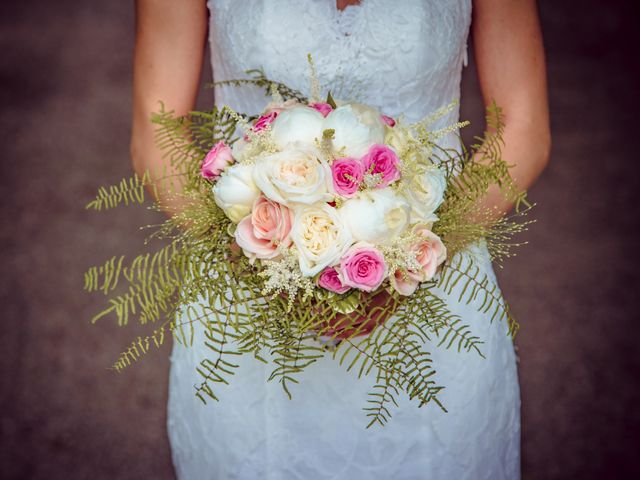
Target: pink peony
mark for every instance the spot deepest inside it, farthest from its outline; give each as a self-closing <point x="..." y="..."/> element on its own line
<point x="264" y="121"/>
<point x="268" y="226"/>
<point x="218" y="158"/>
<point x="388" y="120"/>
<point x="383" y="160"/>
<point x="363" y="267"/>
<point x="324" y="108"/>
<point x="347" y="176"/>
<point x="330" y="280"/>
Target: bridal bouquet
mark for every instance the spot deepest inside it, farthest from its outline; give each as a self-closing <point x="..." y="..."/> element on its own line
<point x="319" y="227"/>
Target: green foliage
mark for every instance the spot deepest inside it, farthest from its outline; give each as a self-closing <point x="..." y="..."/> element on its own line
<point x="463" y="219"/>
<point x="259" y="79"/>
<point x="128" y="191"/>
<point x="199" y="289"/>
<point x="185" y="140"/>
<point x="462" y="276"/>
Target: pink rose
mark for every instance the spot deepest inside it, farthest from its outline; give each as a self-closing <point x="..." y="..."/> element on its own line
<point x="388" y="120"/>
<point x="347" y="175"/>
<point x="330" y="280"/>
<point x="430" y="252"/>
<point x="218" y="158"/>
<point x="363" y="267"/>
<point x="260" y="233"/>
<point x="324" y="108"/>
<point x="264" y="121"/>
<point x="405" y="283"/>
<point x="383" y="160"/>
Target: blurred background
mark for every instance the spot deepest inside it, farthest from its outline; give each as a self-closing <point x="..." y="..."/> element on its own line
<point x="65" y="100"/>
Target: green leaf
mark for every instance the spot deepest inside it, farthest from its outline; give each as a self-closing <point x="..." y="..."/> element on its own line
<point x="331" y="101"/>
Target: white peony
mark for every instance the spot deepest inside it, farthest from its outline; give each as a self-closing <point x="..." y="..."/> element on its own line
<point x="356" y="127"/>
<point x="235" y="191"/>
<point x="376" y="216"/>
<point x="425" y="193"/>
<point x="298" y="124"/>
<point x="297" y="175"/>
<point x="320" y="236"/>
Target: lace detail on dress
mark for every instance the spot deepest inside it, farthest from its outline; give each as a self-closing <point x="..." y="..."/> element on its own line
<point x="346" y="18"/>
<point x="404" y="57"/>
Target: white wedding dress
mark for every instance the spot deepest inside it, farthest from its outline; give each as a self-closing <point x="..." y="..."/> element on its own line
<point x="403" y="56"/>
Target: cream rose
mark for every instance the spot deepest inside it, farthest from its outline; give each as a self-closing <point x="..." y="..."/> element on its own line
<point x="356" y="128"/>
<point x="320" y="236"/>
<point x="425" y="193"/>
<point x="235" y="191"/>
<point x="376" y="216"/>
<point x="297" y="125"/>
<point x="294" y="176"/>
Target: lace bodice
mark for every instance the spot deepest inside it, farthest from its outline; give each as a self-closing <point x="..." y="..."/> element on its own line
<point x="401" y="56"/>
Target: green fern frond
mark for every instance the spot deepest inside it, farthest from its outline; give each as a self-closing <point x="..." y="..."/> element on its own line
<point x="433" y="315"/>
<point x="218" y="335"/>
<point x="467" y="278"/>
<point x="104" y="277"/>
<point x="128" y="191"/>
<point x="260" y="80"/>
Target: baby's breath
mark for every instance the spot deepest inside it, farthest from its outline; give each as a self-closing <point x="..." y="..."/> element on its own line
<point x="372" y="180"/>
<point x="400" y="255"/>
<point x="284" y="276"/>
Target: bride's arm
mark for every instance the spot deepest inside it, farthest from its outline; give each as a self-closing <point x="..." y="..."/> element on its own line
<point x="170" y="40"/>
<point x="511" y="68"/>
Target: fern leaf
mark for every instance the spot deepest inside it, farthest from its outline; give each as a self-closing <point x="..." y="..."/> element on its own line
<point x="128" y="191"/>
<point x="472" y="285"/>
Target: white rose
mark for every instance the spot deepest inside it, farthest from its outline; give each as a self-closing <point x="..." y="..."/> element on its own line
<point x="376" y="216"/>
<point x="356" y="128"/>
<point x="425" y="193"/>
<point x="299" y="124"/>
<point x="235" y="191"/>
<point x="320" y="236"/>
<point x="297" y="175"/>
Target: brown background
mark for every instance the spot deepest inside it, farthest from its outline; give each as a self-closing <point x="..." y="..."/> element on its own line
<point x="65" y="70"/>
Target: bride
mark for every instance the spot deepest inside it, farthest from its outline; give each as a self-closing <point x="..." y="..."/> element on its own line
<point x="402" y="56"/>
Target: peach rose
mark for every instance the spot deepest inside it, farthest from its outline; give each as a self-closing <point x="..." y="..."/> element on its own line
<point x="260" y="233"/>
<point x="430" y="252"/>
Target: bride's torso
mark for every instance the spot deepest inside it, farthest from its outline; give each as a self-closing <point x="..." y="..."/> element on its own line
<point x="401" y="56"/>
